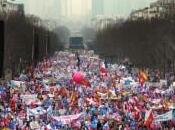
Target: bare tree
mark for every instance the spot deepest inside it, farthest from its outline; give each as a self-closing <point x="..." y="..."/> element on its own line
<point x="21" y="33"/>
<point x="148" y="43"/>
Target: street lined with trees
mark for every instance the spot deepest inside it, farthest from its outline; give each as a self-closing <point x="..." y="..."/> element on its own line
<point x="26" y="42"/>
<point x="147" y="43"/>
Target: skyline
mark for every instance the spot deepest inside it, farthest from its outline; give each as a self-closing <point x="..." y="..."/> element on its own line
<point x="43" y="9"/>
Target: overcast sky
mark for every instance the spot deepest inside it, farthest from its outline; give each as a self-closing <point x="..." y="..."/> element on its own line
<point x="47" y="8"/>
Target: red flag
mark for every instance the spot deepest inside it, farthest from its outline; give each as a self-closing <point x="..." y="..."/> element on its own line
<point x="149" y="118"/>
<point x="142" y="77"/>
<point x="86" y="83"/>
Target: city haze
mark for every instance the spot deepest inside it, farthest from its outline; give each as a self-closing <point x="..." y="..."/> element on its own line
<point x="77" y="14"/>
<point x="50" y="8"/>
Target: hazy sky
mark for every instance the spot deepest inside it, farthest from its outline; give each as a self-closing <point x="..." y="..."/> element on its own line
<point x="48" y="8"/>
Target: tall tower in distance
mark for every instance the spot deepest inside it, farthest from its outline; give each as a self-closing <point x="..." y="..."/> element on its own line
<point x="97" y="7"/>
<point x="84" y="7"/>
<point x="57" y="8"/>
<point x="63" y="8"/>
<point x="69" y="7"/>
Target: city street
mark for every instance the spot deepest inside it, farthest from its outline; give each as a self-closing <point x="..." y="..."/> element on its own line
<point x="87" y="65"/>
<point x="63" y="92"/>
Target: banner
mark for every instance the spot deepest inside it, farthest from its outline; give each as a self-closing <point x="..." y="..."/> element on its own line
<point x="17" y="83"/>
<point x="69" y="118"/>
<point x="114" y="116"/>
<point x="29" y="97"/>
<point x="36" y="111"/>
<point x="164" y="117"/>
<point x="153" y="84"/>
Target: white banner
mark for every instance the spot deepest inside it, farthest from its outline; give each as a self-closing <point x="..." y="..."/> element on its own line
<point x="69" y="118"/>
<point x="164" y="117"/>
<point x="29" y="97"/>
<point x="36" y="111"/>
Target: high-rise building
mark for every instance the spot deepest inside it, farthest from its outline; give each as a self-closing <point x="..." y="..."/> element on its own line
<point x="110" y="7"/>
<point x="97" y="7"/>
<point x="84" y="7"/>
<point x="69" y="7"/>
<point x="66" y="8"/>
<point x="57" y="8"/>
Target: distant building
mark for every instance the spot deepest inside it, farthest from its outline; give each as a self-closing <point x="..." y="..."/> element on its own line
<point x="101" y="22"/>
<point x="97" y="7"/>
<point x="158" y="9"/>
<point x="169" y="6"/>
<point x="15" y="7"/>
<point x="145" y="13"/>
<point x="84" y="7"/>
<point x="56" y="8"/>
<point x="65" y="8"/>
<point x="137" y="14"/>
<point x="110" y="7"/>
<point x="10" y="8"/>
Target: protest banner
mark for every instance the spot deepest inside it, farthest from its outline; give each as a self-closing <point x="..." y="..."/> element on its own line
<point x="69" y="118"/>
<point x="29" y="97"/>
<point x="164" y="117"/>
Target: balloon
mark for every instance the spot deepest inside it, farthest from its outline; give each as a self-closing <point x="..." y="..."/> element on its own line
<point x="78" y="77"/>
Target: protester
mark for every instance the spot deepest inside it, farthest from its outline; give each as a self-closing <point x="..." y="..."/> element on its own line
<point x="81" y="91"/>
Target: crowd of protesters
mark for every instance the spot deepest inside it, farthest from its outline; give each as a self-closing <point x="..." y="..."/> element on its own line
<point x="80" y="91"/>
